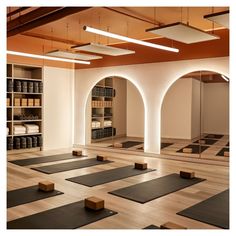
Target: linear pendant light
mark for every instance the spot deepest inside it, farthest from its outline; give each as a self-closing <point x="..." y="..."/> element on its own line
<point x="183" y="33"/>
<point x="225" y="78"/>
<point x="127" y="39"/>
<point x="46" y="57"/>
<point x="72" y="55"/>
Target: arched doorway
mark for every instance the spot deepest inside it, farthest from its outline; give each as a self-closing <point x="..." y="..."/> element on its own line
<point x="195" y="117"/>
<point x="115" y="115"/>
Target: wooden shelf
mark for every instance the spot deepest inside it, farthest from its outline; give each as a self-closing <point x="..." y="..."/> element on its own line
<point x="27" y="93"/>
<point x="27" y="106"/>
<point x="25" y="120"/>
<point x="28" y="79"/>
<point x="15" y="135"/>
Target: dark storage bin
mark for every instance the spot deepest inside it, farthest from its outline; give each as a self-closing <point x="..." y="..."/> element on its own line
<point x="23" y="142"/>
<point x="24" y="86"/>
<point x="36" y="87"/>
<point x="9" y="85"/>
<point x="34" y="141"/>
<point x="39" y="141"/>
<point x="30" y="87"/>
<point x="9" y="143"/>
<point x="40" y="87"/>
<point x="29" y="142"/>
<point x="17" y="143"/>
<point x="17" y="86"/>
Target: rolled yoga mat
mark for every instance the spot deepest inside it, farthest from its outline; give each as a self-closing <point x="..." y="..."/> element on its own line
<point x="45" y="159"/>
<point x="28" y="194"/>
<point x="213" y="211"/>
<point x="152" y="189"/>
<point x="51" y="169"/>
<point x="107" y="176"/>
<point x="70" y="216"/>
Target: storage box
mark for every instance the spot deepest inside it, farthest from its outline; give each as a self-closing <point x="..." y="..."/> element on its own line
<point x="187" y="150"/>
<point x="16" y="101"/>
<point x="24" y="101"/>
<point x="171" y="225"/>
<point x="77" y="153"/>
<point x="140" y="165"/>
<point x="46" y="186"/>
<point x="8" y="102"/>
<point x="94" y="203"/>
<point x="30" y="102"/>
<point x="187" y="174"/>
<point x="101" y="158"/>
<point x="37" y="102"/>
<point x="226" y="154"/>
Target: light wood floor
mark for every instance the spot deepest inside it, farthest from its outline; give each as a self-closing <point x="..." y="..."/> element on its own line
<point x="131" y="215"/>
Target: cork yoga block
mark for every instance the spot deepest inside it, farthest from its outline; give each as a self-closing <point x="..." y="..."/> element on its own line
<point x="46" y="186"/>
<point x="77" y="153"/>
<point x="187" y="150"/>
<point x="202" y="141"/>
<point x="140" y="165"/>
<point x="94" y="203"/>
<point x="226" y="154"/>
<point x="101" y="158"/>
<point x="118" y="145"/>
<point x="187" y="174"/>
<point x="171" y="225"/>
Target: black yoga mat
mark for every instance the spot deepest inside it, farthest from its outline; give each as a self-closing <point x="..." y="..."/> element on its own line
<point x="196" y="149"/>
<point x="213" y="211"/>
<point x="39" y="160"/>
<point x="129" y="144"/>
<point x="51" y="169"/>
<point x="70" y="216"/>
<point x="216" y="136"/>
<point x="208" y="141"/>
<point x="221" y="152"/>
<point x="152" y="189"/>
<point x="107" y="176"/>
<point x="227" y="144"/>
<point x="26" y="195"/>
<point x="163" y="145"/>
<point x="152" y="227"/>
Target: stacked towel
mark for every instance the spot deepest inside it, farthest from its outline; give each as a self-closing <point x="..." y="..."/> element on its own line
<point x="96" y="124"/>
<point x="19" y="129"/>
<point x="107" y="123"/>
<point x="31" y="128"/>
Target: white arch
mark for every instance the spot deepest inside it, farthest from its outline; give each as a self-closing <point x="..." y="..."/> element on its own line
<point x="137" y="86"/>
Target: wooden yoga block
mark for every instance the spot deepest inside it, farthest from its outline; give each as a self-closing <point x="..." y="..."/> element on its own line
<point x="202" y="141"/>
<point x="77" y="153"/>
<point x="171" y="225"/>
<point x="24" y="102"/>
<point x="101" y="158"/>
<point x="226" y="154"/>
<point x="187" y="150"/>
<point x="94" y="203"/>
<point x="36" y="102"/>
<point x="118" y="145"/>
<point x="30" y="102"/>
<point x="187" y="174"/>
<point x="140" y="165"/>
<point x="46" y="186"/>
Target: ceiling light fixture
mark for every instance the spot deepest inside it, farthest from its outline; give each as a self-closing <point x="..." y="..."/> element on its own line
<point x="221" y="18"/>
<point x="46" y="57"/>
<point x="183" y="33"/>
<point x="103" y="49"/>
<point x="72" y="55"/>
<point x="225" y="78"/>
<point x="127" y="39"/>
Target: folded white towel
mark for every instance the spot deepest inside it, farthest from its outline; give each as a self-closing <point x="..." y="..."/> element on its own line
<point x="31" y="126"/>
<point x="19" y="132"/>
<point x="32" y="131"/>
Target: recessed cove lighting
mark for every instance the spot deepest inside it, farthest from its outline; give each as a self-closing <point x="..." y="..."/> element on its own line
<point x="46" y="57"/>
<point x="72" y="55"/>
<point x="225" y="78"/>
<point x="221" y="18"/>
<point x="182" y="33"/>
<point x="127" y="39"/>
<point x="103" y="49"/>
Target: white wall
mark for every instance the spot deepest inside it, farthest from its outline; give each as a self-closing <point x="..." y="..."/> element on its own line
<point x="216" y="108"/>
<point x="135" y="112"/>
<point x="152" y="80"/>
<point x="58" y="108"/>
<point x="176" y="110"/>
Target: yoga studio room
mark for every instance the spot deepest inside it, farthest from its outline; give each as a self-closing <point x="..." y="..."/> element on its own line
<point x="117" y="117"/>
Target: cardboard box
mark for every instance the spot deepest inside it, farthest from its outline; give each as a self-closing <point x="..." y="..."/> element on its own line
<point x="101" y="158"/>
<point x="30" y="102"/>
<point x="36" y="102"/>
<point x="140" y="165"/>
<point x="187" y="150"/>
<point x="171" y="225"/>
<point x="77" y="153"/>
<point x="24" y="102"/>
<point x="46" y="186"/>
<point x="16" y="101"/>
<point x="94" y="203"/>
<point x="187" y="174"/>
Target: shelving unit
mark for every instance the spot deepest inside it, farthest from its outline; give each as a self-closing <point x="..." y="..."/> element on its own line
<point x="24" y="107"/>
<point x="102" y="110"/>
